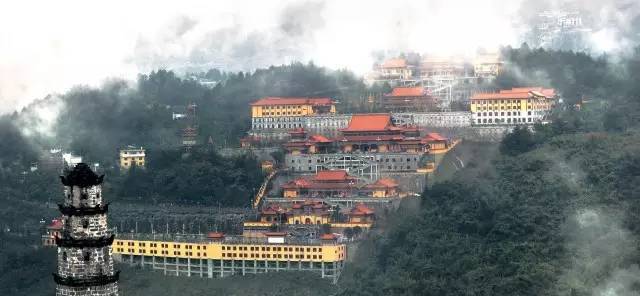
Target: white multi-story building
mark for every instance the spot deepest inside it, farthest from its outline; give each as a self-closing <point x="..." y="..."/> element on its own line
<point x="526" y="105"/>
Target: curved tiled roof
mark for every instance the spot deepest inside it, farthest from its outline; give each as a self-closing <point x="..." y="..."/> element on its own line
<point x="369" y="122"/>
<point x="407" y="92"/>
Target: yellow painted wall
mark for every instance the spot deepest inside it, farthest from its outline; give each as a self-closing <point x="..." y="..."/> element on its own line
<point x="302" y="218"/>
<point x="379" y="193"/>
<point x="127" y="161"/>
<point x="290" y="193"/>
<point x="274" y="252"/>
<point x="284" y="110"/>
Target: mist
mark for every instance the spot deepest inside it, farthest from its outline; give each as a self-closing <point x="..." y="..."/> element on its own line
<point x="86" y="43"/>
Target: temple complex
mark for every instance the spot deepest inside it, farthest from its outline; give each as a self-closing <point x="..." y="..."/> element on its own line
<point x="409" y="99"/>
<point x="336" y="184"/>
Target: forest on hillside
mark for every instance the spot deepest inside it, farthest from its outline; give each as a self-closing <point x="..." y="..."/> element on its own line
<point x="553" y="212"/>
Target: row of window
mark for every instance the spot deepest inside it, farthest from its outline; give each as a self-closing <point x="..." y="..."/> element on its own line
<point x="275" y="256"/>
<point x="283" y="113"/>
<point x="501" y="113"/>
<point x="268" y="249"/>
<point x="224" y="248"/>
<point x="487" y="102"/>
<point x="502" y="120"/>
<point x="529" y="107"/>
<point x="278" y="119"/>
<point x="132" y="158"/>
<point x="133" y="152"/>
<point x="283" y="125"/>
<point x="377" y="160"/>
<point x="283" y="107"/>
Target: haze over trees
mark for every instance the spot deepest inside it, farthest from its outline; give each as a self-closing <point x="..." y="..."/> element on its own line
<point x="551" y="211"/>
<point x="555" y="212"/>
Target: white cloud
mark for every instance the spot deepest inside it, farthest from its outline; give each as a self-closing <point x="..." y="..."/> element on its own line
<point x="49" y="46"/>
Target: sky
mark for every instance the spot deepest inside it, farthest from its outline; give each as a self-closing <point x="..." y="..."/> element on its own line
<point x="50" y="46"/>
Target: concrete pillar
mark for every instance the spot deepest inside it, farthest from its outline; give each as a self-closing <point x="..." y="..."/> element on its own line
<point x="243" y="266"/>
<point x="222" y="268"/>
<point x="277" y="265"/>
<point x="266" y="266"/>
<point x="322" y="268"/>
<point x="209" y="268"/>
<point x="165" y="265"/>
<point x="233" y="266"/>
<point x="188" y="267"/>
<point x="255" y="266"/>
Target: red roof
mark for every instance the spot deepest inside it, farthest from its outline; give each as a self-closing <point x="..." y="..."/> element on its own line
<point x="337" y="175"/>
<point x="517" y="93"/>
<point x="434" y="137"/>
<point x="271" y="210"/>
<point x="215" y="235"/>
<point x="328" y="236"/>
<point x="394" y="63"/>
<point x="369" y="122"/>
<point x="297" y="183"/>
<point x="319" y="139"/>
<point x="276" y="234"/>
<point x="407" y="92"/>
<point x="55" y="224"/>
<point x="361" y="210"/>
<point x="270" y="101"/>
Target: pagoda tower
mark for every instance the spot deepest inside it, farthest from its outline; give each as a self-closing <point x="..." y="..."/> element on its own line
<point x="85" y="265"/>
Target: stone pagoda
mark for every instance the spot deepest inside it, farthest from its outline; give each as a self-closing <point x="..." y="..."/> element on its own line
<point x="85" y="265"/>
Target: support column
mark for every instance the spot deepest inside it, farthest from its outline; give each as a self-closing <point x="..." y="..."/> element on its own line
<point x="322" y="268"/>
<point x="221" y="267"/>
<point x="233" y="266"/>
<point x="209" y="268"/>
<point x="243" y="266"/>
<point x="188" y="267"/>
<point x="255" y="266"/>
<point x="165" y="265"/>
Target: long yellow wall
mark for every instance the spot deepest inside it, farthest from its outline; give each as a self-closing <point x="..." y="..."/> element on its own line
<point x="219" y="251"/>
<point x="284" y="110"/>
